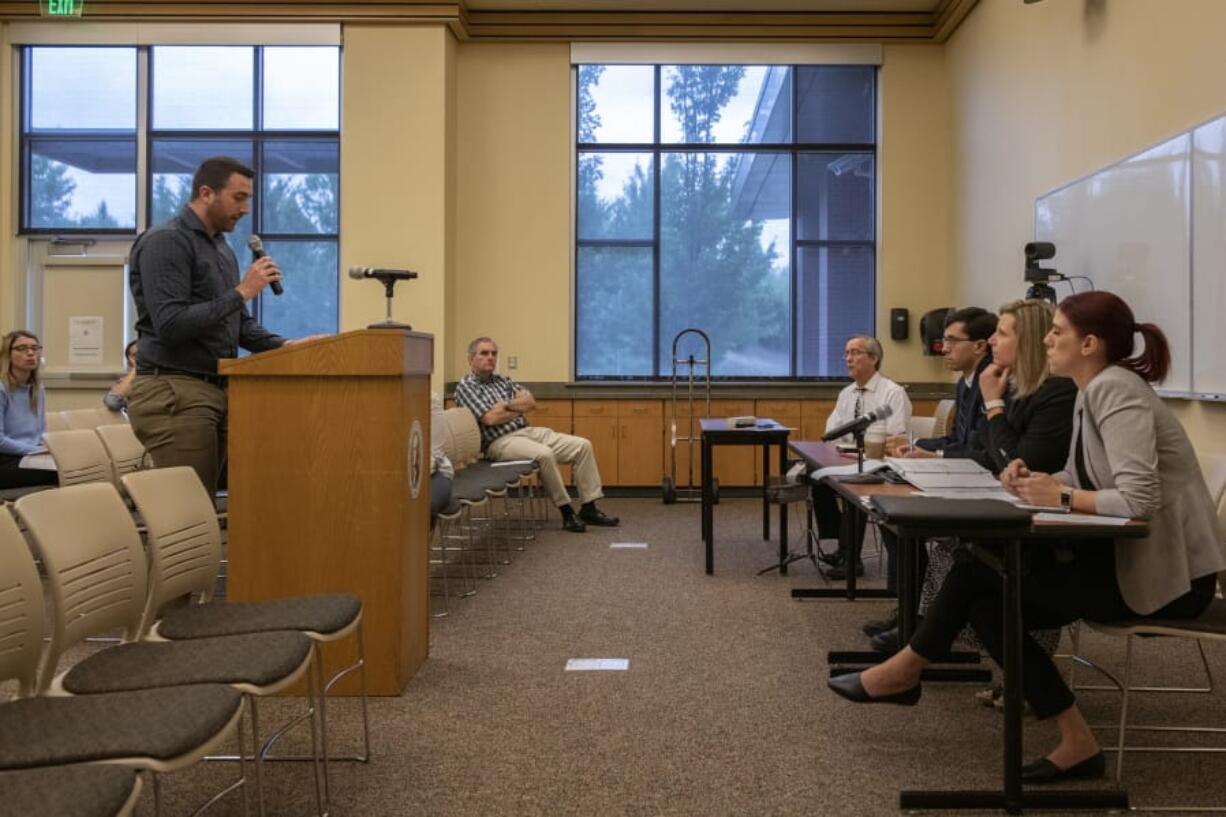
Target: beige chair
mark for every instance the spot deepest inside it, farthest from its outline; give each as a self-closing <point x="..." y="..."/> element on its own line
<point x="88" y="418"/>
<point x="125" y="450"/>
<point x="157" y="731"/>
<point x="1209" y="626"/>
<point x="184" y="550"/>
<point x="56" y="421"/>
<point x="96" y="570"/>
<point x="943" y="419"/>
<point x="80" y="457"/>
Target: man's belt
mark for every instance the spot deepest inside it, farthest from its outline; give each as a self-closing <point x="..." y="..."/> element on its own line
<point x="215" y="379"/>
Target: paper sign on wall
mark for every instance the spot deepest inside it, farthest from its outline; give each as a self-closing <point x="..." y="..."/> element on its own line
<point x="85" y="340"/>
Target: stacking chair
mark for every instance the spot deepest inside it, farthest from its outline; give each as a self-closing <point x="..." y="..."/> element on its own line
<point x="943" y="418"/>
<point x="157" y="730"/>
<point x="90" y="418"/>
<point x="1209" y="626"/>
<point x="57" y="422"/>
<point x="121" y="445"/>
<point x="80" y="456"/>
<point x="80" y="790"/>
<point x="184" y="550"/>
<point x="95" y="566"/>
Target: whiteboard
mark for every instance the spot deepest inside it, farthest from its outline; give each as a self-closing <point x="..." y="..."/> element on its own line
<point x="1128" y="229"/>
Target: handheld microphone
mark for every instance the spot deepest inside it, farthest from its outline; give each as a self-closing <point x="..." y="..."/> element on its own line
<point x="858" y="424"/>
<point x="382" y="274"/>
<point x="257" y="252"/>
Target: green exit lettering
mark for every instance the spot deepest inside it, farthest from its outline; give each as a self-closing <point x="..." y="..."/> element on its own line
<point x="64" y="8"/>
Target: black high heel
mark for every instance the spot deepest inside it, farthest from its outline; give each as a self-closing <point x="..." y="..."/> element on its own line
<point x="848" y="686"/>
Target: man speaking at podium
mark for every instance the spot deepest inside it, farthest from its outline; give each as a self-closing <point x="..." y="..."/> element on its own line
<point x="190" y="312"/>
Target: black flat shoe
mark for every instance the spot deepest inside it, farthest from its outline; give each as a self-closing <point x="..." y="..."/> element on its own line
<point x="573" y="524"/>
<point x="886" y="642"/>
<point x="877" y="626"/>
<point x="849" y="687"/>
<point x="1044" y="771"/>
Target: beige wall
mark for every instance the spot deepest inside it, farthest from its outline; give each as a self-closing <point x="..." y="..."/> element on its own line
<point x="1046" y="93"/>
<point x="514" y="203"/>
<point x="915" y="269"/>
<point x="513" y="216"/>
<point x="396" y="196"/>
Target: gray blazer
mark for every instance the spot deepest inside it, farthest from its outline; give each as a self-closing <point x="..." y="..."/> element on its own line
<point x="1142" y="463"/>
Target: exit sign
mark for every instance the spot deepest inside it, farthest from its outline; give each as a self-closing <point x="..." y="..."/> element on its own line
<point x="61" y="8"/>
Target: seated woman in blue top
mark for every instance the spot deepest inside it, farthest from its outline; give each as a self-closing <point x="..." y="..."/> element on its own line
<point x="23" y="410"/>
<point x="1129" y="457"/>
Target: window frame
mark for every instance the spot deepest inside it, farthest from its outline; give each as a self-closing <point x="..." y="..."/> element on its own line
<point x="657" y="149"/>
<point x="144" y="136"/>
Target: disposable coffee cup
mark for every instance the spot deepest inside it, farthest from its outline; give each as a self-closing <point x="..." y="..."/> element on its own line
<point x="874" y="445"/>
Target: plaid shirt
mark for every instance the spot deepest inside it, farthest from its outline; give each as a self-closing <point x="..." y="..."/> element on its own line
<point x="479" y="396"/>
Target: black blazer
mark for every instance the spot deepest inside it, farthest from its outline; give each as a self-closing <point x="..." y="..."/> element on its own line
<point x="1036" y="429"/>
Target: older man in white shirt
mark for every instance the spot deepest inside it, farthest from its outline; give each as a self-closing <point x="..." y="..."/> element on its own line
<point x="868" y="391"/>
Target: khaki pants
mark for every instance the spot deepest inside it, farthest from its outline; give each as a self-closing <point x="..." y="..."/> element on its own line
<point x="181" y="421"/>
<point x="548" y="448"/>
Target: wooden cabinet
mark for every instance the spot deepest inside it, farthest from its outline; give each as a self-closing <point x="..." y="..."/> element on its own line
<point x="640" y="457"/>
<point x="734" y="464"/>
<point x="813" y="417"/>
<point x="626" y="437"/>
<point x="784" y="412"/>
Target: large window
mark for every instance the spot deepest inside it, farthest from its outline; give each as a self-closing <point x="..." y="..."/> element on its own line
<point x="736" y="199"/>
<point x="89" y="121"/>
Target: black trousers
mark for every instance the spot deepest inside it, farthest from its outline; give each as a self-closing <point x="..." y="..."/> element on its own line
<point x="12" y="475"/>
<point x="830" y="519"/>
<point x="1053" y="594"/>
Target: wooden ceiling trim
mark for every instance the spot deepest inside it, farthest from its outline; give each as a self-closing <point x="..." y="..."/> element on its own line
<point x="520" y="25"/>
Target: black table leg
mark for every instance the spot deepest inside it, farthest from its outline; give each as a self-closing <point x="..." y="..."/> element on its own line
<point x="1012" y="799"/>
<point x="708" y="532"/>
<point x="783" y="510"/>
<point x="766" y="503"/>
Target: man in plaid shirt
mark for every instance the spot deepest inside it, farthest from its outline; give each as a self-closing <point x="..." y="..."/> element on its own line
<point x="500" y="406"/>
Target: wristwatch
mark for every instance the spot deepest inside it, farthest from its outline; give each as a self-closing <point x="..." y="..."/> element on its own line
<point x="988" y="405"/>
<point x="1066" y="497"/>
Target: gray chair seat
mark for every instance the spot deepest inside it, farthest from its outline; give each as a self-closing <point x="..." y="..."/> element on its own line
<point x="66" y="791"/>
<point x="321" y="614"/>
<point x="1210" y="623"/>
<point x="157" y="723"/>
<point x="259" y="659"/>
<point x="468" y="486"/>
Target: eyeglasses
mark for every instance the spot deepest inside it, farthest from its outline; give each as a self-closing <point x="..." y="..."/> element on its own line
<point x="854" y="353"/>
<point x="26" y="347"/>
<point x="950" y="340"/>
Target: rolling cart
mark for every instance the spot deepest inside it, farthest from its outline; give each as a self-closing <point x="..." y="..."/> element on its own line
<point x="671" y="491"/>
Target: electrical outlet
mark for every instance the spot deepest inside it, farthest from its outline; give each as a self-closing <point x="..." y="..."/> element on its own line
<point x="512" y="362"/>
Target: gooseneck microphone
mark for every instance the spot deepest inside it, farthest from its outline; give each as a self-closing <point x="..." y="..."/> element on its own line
<point x="257" y="252"/>
<point x="858" y="424"/>
<point x="382" y="274"/>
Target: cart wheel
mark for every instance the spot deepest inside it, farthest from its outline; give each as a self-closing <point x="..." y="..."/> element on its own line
<point x="714" y="491"/>
<point x="669" y="490"/>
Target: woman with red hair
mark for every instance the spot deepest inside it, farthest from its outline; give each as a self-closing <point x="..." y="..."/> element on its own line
<point x="1129" y="457"/>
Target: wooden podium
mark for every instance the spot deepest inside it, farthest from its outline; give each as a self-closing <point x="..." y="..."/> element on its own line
<point x="329" y="481"/>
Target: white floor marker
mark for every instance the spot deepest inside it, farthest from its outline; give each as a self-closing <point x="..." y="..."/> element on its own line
<point x="597" y="664"/>
<point x="629" y="545"/>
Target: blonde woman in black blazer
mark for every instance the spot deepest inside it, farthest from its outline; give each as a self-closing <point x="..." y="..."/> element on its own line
<point x="1129" y="457"/>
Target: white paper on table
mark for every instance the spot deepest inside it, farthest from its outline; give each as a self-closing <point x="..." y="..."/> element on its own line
<point x="1081" y="519"/>
<point x="84" y="339"/>
<point x="597" y="664"/>
<point x="929" y="482"/>
<point x="850" y="468"/>
<point x="936" y="465"/>
<point x="38" y="461"/>
<point x="971" y="493"/>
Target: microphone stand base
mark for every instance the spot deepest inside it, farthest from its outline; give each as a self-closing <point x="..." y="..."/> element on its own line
<point x="389" y="325"/>
<point x="861" y="479"/>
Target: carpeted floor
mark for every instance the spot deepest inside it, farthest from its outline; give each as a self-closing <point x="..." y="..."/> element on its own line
<point x="723" y="710"/>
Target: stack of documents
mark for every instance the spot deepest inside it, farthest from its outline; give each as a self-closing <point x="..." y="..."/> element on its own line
<point x="942" y="474"/>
